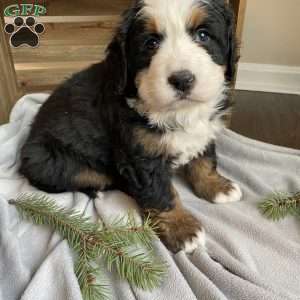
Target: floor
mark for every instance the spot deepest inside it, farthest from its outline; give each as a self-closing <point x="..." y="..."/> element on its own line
<point x="268" y="117"/>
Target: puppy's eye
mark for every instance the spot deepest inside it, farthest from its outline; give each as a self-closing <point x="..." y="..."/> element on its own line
<point x="202" y="36"/>
<point x="152" y="43"/>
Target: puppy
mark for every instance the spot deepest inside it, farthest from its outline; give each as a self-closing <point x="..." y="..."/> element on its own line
<point x="154" y="105"/>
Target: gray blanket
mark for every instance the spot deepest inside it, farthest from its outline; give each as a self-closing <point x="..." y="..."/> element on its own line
<point x="247" y="256"/>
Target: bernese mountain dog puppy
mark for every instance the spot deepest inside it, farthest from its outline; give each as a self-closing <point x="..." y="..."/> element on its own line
<point x="153" y="106"/>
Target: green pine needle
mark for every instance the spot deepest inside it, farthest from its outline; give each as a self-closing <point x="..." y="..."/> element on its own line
<point x="128" y="232"/>
<point x="126" y="247"/>
<point x="87" y="278"/>
<point x="278" y="205"/>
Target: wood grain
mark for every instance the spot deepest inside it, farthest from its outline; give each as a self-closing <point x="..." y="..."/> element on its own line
<point x="64" y="49"/>
<point x="35" y="77"/>
<point x="8" y="81"/>
<point x="68" y="42"/>
<point x="239" y="7"/>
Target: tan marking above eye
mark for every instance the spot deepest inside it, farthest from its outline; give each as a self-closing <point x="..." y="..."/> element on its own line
<point x="196" y="18"/>
<point x="151" y="25"/>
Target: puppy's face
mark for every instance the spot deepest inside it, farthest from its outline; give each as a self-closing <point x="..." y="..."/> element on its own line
<point x="178" y="53"/>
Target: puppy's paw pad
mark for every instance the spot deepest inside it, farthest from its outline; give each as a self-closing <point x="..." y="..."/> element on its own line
<point x="233" y="195"/>
<point x="197" y="241"/>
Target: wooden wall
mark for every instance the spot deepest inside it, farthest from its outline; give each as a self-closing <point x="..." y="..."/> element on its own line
<point x="8" y="81"/>
<point x="76" y="34"/>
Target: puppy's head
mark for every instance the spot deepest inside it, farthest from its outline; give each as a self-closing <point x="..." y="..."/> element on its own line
<point x="175" y="54"/>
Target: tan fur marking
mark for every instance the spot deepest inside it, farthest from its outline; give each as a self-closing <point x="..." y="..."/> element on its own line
<point x="197" y="16"/>
<point x="90" y="178"/>
<point x="151" y="25"/>
<point x="139" y="78"/>
<point x="205" y="180"/>
<point x="151" y="142"/>
<point x="176" y="226"/>
<point x="142" y="76"/>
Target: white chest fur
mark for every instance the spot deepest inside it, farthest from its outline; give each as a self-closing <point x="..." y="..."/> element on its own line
<point x="187" y="143"/>
<point x="189" y="130"/>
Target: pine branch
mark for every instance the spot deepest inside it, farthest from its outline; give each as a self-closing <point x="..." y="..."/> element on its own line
<point x="87" y="278"/>
<point x="119" y="245"/>
<point x="136" y="265"/>
<point x="279" y="205"/>
<point x="42" y="211"/>
<point x="128" y="232"/>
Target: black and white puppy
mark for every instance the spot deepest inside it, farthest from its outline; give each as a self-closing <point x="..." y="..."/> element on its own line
<point x="155" y="104"/>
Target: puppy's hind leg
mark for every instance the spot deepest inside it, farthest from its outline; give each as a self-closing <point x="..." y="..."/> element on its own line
<point x="90" y="181"/>
<point x="54" y="170"/>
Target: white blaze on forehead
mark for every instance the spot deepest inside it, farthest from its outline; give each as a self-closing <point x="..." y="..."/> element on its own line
<point x="178" y="51"/>
<point x="170" y="15"/>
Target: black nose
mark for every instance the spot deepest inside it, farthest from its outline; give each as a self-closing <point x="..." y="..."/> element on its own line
<point x="182" y="81"/>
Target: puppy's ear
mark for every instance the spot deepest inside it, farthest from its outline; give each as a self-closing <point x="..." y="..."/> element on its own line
<point x="232" y="45"/>
<point x="116" y="59"/>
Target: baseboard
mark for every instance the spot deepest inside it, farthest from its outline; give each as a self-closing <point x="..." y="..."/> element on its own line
<point x="268" y="78"/>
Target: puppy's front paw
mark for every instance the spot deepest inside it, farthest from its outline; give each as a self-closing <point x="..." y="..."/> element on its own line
<point x="179" y="230"/>
<point x="233" y="193"/>
<point x="207" y="183"/>
<point x="193" y="243"/>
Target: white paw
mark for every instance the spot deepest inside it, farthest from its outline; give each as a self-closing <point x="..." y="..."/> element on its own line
<point x="198" y="240"/>
<point x="234" y="195"/>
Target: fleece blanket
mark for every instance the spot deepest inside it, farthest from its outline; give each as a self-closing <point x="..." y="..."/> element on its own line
<point x="247" y="256"/>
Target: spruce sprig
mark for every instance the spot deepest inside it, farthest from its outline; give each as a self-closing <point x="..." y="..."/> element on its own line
<point x="278" y="205"/>
<point x="88" y="279"/>
<point x="124" y="246"/>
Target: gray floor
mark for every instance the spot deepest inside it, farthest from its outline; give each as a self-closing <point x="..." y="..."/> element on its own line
<point x="268" y="117"/>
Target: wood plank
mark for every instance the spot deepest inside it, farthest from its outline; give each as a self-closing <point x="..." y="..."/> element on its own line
<point x="87" y="7"/>
<point x="8" y="82"/>
<point x="74" y="33"/>
<point x="52" y="66"/>
<point x="41" y="76"/>
<point x="60" y="53"/>
<point x="68" y="42"/>
<point x="239" y="9"/>
<point x="63" y="50"/>
<point x="73" y="19"/>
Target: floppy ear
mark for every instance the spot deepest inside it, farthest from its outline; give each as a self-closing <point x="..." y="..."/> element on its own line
<point x="232" y="46"/>
<point x="116" y="60"/>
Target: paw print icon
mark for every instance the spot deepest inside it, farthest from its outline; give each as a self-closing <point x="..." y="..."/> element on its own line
<point x="24" y="32"/>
